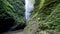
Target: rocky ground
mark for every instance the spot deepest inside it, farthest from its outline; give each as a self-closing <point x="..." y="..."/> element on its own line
<point x="14" y="32"/>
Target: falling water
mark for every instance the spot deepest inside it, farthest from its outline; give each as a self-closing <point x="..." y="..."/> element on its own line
<point x="29" y="6"/>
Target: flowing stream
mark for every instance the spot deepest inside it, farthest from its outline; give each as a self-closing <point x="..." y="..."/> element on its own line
<point x="29" y="6"/>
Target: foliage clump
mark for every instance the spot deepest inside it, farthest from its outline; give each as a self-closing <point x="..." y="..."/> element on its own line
<point x="14" y="8"/>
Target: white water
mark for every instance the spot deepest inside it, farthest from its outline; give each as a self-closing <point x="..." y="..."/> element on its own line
<point x="29" y="6"/>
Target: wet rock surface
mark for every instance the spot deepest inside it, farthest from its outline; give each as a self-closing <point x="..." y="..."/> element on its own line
<point x="14" y="32"/>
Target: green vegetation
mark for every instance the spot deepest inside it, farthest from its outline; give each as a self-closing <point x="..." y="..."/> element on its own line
<point x="14" y="8"/>
<point x="44" y="18"/>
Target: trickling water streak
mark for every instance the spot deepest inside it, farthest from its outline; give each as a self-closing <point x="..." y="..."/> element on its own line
<point x="29" y="6"/>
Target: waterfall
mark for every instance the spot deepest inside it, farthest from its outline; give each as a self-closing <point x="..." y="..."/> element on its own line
<point x="29" y="6"/>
